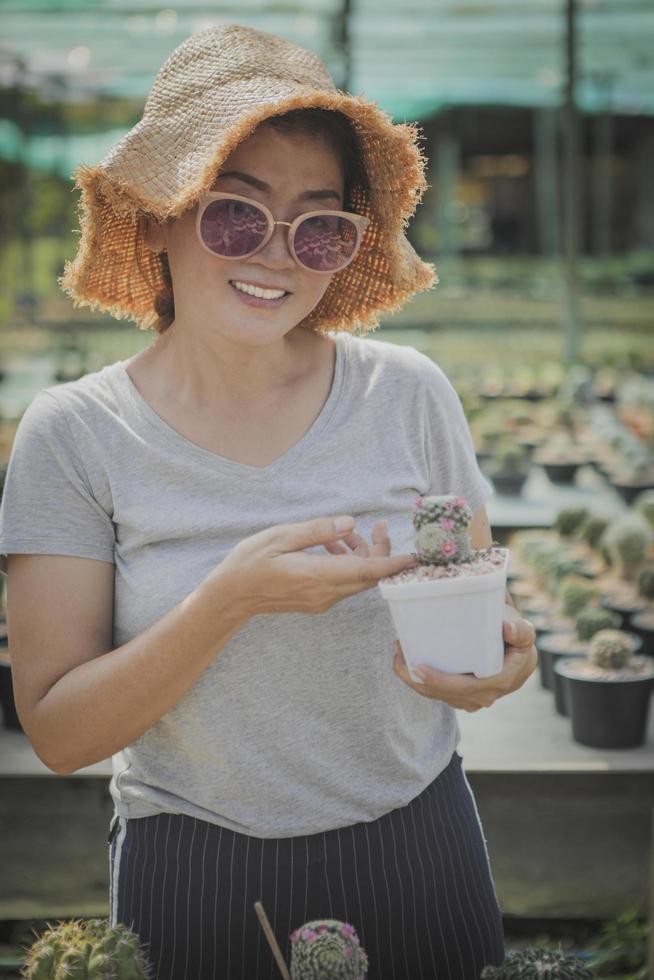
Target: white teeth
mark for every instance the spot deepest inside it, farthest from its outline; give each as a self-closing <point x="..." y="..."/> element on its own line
<point x="258" y="291"/>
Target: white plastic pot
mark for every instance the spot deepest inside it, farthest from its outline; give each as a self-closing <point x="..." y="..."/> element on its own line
<point x="451" y="624"/>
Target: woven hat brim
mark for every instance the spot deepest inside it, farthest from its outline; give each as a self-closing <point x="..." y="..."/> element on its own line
<point x="116" y="272"/>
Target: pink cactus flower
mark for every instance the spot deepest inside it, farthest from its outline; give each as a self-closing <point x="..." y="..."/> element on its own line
<point x="448" y="548"/>
<point x="449" y="504"/>
<point x="348" y="951"/>
<point x="418" y="501"/>
<point x="447" y="523"/>
<point x="347" y="929"/>
<point x="295" y="935"/>
<point x="459" y="502"/>
<point x="322" y="929"/>
<point x="309" y="935"/>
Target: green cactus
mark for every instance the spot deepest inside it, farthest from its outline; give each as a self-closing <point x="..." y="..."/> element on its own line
<point x="593" y="619"/>
<point x="575" y="593"/>
<point x="560" y="568"/>
<point x="538" y="964"/>
<point x="91" y="950"/>
<point x="570" y="521"/>
<point x="628" y="541"/>
<point x="610" y="649"/>
<point x="645" y="581"/>
<point x="593" y="530"/>
<point x="644" y="504"/>
<point x="441" y="524"/>
<point x="326" y="949"/>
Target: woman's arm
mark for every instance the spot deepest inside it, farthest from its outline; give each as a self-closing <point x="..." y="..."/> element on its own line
<point x="79" y="700"/>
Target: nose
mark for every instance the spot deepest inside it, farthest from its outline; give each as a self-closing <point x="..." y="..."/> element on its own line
<point x="276" y="253"/>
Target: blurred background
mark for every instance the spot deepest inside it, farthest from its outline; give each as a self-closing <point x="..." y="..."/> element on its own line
<point x="538" y="123"/>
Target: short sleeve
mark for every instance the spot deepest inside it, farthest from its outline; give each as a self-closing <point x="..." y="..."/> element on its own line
<point x="450" y="451"/>
<point x="47" y="505"/>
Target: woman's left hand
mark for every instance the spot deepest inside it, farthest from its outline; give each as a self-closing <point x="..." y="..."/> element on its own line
<point x="472" y="693"/>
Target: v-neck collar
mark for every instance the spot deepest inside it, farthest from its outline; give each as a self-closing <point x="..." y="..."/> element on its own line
<point x="170" y="435"/>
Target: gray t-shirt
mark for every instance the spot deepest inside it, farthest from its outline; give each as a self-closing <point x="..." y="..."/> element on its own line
<point x="299" y="724"/>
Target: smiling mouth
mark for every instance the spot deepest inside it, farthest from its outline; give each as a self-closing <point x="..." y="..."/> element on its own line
<point x="258" y="291"/>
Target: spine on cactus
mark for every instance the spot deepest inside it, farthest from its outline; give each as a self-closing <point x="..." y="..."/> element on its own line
<point x="441" y="523"/>
<point x="610" y="649"/>
<point x="531" y="963"/>
<point x="91" y="950"/>
<point x="327" y="948"/>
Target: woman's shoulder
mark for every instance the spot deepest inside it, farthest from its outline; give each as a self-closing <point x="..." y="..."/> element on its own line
<point x="94" y="391"/>
<point x="396" y="360"/>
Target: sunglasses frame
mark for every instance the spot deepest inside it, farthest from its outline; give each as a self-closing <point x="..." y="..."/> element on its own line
<point x="359" y="221"/>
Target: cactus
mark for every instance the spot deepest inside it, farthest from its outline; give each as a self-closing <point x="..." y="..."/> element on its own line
<point x="593" y="619"/>
<point x="610" y="649"/>
<point x="441" y="524"/>
<point x="645" y="581"/>
<point x="326" y="949"/>
<point x="575" y="593"/>
<point x="91" y="950"/>
<point x="644" y="504"/>
<point x="570" y="521"/>
<point x="593" y="530"/>
<point x="538" y="964"/>
<point x="628" y="541"/>
<point x="562" y="566"/>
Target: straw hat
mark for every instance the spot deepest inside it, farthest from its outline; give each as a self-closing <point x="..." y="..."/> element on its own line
<point x="209" y="95"/>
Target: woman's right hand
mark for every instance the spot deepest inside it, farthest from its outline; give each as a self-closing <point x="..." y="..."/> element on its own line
<point x="271" y="573"/>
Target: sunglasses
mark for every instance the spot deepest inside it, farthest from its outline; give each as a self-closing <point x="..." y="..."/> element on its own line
<point x="235" y="227"/>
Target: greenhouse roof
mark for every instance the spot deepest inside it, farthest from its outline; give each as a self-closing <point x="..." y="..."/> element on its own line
<point x="413" y="57"/>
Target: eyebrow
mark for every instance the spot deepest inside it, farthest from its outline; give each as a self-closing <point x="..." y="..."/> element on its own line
<point x="260" y="185"/>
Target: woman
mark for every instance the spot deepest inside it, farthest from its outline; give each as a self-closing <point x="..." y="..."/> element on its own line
<point x="204" y="525"/>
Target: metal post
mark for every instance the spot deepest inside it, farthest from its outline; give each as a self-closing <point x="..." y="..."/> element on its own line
<point x="545" y="138"/>
<point x="571" y="190"/>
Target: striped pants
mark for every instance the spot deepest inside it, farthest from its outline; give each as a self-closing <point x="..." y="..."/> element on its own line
<point x="416" y="884"/>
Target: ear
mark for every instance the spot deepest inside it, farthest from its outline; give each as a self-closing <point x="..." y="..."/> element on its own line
<point x="154" y="234"/>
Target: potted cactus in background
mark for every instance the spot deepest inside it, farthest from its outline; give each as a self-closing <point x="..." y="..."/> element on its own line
<point x="590" y="620"/>
<point x="642" y="623"/>
<point x="90" y="949"/>
<point x="608" y="692"/>
<point x="326" y="949"/>
<point x="574" y="594"/>
<point x="448" y="610"/>
<point x="532" y="964"/>
<point x="509" y="467"/>
<point x="628" y="545"/>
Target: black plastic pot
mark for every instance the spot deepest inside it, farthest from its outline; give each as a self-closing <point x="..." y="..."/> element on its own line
<point x="629" y="491"/>
<point x="606" y="714"/>
<point x="510" y="484"/>
<point x="547" y="657"/>
<point x="561" y="472"/>
<point x="625" y="611"/>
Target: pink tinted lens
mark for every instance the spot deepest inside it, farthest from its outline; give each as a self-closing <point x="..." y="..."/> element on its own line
<point x="325" y="242"/>
<point x="232" y="228"/>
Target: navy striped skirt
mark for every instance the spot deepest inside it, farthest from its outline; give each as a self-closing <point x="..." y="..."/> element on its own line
<point x="416" y="884"/>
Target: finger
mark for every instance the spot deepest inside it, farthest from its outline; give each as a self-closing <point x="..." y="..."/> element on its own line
<point x="452" y="685"/>
<point x="381" y="543"/>
<point x="335" y="548"/>
<point x="518" y="632"/>
<point x="349" y="570"/>
<point x="356" y="543"/>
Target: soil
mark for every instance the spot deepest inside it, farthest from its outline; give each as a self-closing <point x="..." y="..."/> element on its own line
<point x="481" y="562"/>
<point x="640" y="666"/>
<point x="566" y="642"/>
